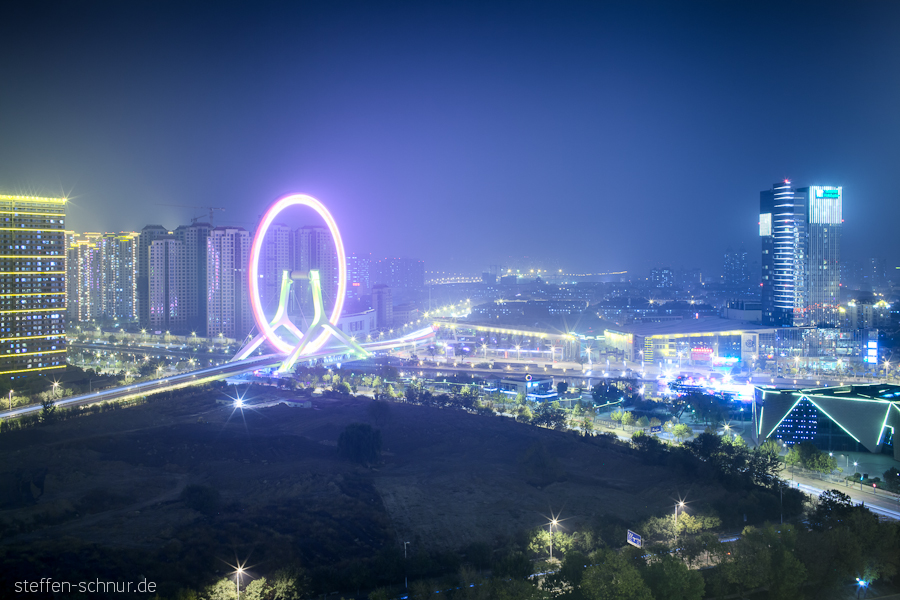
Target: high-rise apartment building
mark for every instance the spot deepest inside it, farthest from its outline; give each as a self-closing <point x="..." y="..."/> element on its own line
<point x="227" y="288"/>
<point x="801" y="237"/>
<point x="32" y="286"/>
<point x="276" y="256"/>
<point x="166" y="285"/>
<point x="118" y="258"/>
<point x="737" y="272"/>
<point x="314" y="249"/>
<point x="193" y="307"/>
<point x="142" y="270"/>
<point x="662" y="278"/>
<point x="84" y="283"/>
<point x="180" y="278"/>
<point x="101" y="278"/>
<point x="357" y="277"/>
<point x="383" y="303"/>
<point x="400" y="273"/>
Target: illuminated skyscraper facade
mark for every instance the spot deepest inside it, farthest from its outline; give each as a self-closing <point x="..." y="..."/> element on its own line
<point x="101" y="276"/>
<point x="118" y="256"/>
<point x="227" y="287"/>
<point x="800" y="231"/>
<point x="84" y="287"/>
<point x="32" y="286"/>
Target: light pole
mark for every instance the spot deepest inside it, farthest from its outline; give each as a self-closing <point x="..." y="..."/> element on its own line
<point x="675" y="529"/>
<point x="237" y="581"/>
<point x="10" y="399"/>
<point x="553" y="522"/>
<point x="405" y="577"/>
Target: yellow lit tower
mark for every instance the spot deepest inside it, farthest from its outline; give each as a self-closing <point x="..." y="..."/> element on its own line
<point x="32" y="286"/>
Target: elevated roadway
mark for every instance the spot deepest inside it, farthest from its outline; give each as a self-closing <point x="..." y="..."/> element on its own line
<point x="250" y="363"/>
<point x="157" y="385"/>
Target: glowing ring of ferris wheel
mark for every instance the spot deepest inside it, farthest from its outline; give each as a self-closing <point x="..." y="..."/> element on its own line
<point x="256" y="304"/>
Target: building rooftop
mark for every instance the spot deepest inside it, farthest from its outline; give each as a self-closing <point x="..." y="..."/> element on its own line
<point x="690" y="326"/>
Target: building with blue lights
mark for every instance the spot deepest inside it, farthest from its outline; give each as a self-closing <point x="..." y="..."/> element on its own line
<point x="857" y="418"/>
<point x="800" y="230"/>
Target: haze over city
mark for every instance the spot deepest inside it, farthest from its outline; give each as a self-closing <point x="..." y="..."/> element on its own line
<point x="590" y="136"/>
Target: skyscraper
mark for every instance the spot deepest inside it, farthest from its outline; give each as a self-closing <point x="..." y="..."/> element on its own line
<point x="800" y="231"/>
<point x="32" y="286"/>
<point x="166" y="285"/>
<point x="357" y="277"/>
<point x="142" y="270"/>
<point x="193" y="303"/>
<point x="84" y="285"/>
<point x="227" y="287"/>
<point x="314" y="249"/>
<point x="398" y="273"/>
<point x="383" y="303"/>
<point x="118" y="257"/>
<point x="737" y="273"/>
<point x="276" y="256"/>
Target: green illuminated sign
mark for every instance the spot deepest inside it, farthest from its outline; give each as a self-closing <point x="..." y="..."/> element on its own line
<point x="832" y="194"/>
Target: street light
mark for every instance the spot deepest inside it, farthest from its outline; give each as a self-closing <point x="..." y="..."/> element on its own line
<point x="679" y="504"/>
<point x="553" y="522"/>
<point x="237" y="581"/>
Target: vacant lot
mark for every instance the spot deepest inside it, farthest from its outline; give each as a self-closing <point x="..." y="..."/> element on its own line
<point x="112" y="483"/>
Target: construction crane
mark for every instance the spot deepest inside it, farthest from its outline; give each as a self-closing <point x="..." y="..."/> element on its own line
<point x="194" y="220"/>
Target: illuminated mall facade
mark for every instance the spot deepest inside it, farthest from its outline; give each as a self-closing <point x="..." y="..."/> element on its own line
<point x="718" y="342"/>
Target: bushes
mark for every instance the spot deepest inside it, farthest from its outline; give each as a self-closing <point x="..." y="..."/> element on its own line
<point x="360" y="443"/>
<point x="201" y="498"/>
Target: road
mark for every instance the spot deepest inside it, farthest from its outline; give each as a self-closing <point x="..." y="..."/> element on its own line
<point x="156" y="385"/>
<point x="881" y="504"/>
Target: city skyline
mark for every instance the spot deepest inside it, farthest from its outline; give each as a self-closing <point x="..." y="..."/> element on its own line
<point x="509" y="125"/>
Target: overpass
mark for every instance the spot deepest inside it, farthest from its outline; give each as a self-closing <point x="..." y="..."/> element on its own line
<point x="235" y="367"/>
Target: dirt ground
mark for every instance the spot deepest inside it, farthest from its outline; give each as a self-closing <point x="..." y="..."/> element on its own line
<point x="448" y="478"/>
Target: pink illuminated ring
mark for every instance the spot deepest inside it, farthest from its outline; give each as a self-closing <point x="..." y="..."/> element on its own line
<point x="256" y="304"/>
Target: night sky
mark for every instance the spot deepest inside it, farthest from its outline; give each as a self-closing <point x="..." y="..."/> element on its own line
<point x="589" y="137"/>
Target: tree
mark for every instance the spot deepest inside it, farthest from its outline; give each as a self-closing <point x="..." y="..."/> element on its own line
<point x="682" y="432"/>
<point x="223" y="589"/>
<point x="258" y="589"/>
<point x="48" y="411"/>
<point x="540" y="542"/>
<point x="379" y="411"/>
<point x="627" y="418"/>
<point x="668" y="577"/>
<point x="289" y="584"/>
<point x="360" y="443"/>
<point x="832" y="509"/>
<point x="643" y="422"/>
<point x="611" y="577"/>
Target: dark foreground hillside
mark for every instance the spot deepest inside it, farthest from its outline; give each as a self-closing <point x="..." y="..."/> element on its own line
<point x="103" y="496"/>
